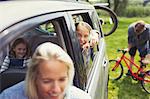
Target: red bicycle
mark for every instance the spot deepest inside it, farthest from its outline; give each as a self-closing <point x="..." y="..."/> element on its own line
<point x="116" y="70"/>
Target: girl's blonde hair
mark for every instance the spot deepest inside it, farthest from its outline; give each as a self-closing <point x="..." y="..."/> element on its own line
<point x="46" y="51"/>
<point x="82" y="23"/>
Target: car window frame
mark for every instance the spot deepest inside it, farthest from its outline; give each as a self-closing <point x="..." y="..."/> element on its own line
<point x="26" y="24"/>
<point x="83" y="12"/>
<point x="17" y="29"/>
<point x="30" y="23"/>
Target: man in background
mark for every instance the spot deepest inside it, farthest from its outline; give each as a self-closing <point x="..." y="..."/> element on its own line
<point x="138" y="39"/>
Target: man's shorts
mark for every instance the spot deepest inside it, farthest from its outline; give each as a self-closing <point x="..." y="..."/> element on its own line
<point x="142" y="53"/>
<point x="132" y="51"/>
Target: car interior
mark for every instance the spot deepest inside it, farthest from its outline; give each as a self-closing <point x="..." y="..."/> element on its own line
<point x="45" y="32"/>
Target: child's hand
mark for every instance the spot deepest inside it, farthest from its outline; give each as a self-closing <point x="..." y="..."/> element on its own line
<point x="94" y="38"/>
<point x="85" y="47"/>
<point x="93" y="42"/>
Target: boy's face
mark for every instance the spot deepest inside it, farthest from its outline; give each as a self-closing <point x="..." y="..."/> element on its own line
<point x="139" y="29"/>
<point x="83" y="35"/>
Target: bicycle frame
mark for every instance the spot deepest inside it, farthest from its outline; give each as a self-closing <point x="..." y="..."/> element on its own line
<point x="126" y="60"/>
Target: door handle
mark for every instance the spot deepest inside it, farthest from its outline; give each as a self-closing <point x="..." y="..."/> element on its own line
<point x="105" y="63"/>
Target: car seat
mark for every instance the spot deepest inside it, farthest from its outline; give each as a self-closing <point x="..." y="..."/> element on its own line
<point x="11" y="77"/>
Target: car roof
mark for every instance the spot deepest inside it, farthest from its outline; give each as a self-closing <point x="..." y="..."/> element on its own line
<point x="15" y="11"/>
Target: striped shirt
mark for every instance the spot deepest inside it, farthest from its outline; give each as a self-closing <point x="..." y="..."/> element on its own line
<point x="7" y="60"/>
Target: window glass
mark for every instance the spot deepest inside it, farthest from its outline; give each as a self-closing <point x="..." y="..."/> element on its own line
<point x="95" y="22"/>
<point x="47" y="28"/>
<point x="3" y="54"/>
<point x="48" y="31"/>
<point x="77" y="18"/>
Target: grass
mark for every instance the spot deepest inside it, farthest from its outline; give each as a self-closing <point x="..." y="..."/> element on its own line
<point x="125" y="88"/>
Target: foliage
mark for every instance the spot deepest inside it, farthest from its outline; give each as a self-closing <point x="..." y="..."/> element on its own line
<point x="130" y="8"/>
<point x="137" y="11"/>
<point x="124" y="88"/>
<point x="120" y="6"/>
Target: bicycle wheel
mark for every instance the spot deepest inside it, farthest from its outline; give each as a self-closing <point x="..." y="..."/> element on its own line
<point x="108" y="15"/>
<point x="117" y="72"/>
<point x="145" y="84"/>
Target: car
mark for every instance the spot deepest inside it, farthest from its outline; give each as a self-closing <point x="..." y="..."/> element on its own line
<point x="54" y="21"/>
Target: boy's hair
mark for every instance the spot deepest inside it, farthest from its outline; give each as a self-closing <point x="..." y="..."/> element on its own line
<point x="141" y="23"/>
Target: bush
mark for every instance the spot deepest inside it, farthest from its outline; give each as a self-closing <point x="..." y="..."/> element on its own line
<point x="137" y="11"/>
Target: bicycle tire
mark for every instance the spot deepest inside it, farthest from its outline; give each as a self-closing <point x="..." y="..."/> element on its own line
<point x="117" y="73"/>
<point x="112" y="15"/>
<point x="146" y="85"/>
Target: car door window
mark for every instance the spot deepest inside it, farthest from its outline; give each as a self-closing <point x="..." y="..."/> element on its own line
<point x="96" y="22"/>
<point x="49" y="31"/>
<point x="85" y="17"/>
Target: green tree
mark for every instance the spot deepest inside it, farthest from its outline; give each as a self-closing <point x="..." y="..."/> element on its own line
<point x="118" y="6"/>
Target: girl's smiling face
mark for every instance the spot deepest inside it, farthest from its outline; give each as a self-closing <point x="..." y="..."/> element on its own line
<point x="83" y="35"/>
<point x="20" y="50"/>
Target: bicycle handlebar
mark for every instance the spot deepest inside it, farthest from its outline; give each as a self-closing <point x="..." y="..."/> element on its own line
<point x="122" y="50"/>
